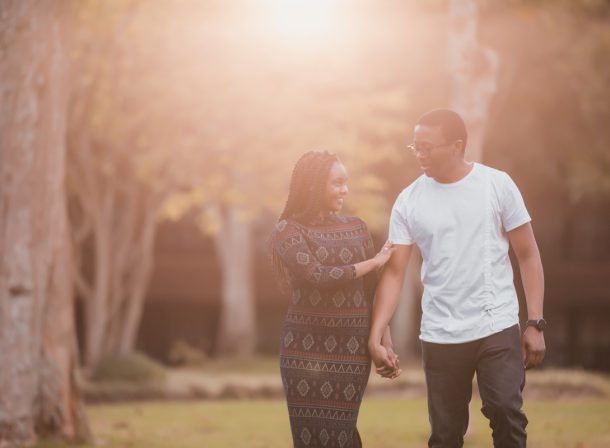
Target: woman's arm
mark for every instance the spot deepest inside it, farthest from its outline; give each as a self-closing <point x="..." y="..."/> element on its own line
<point x="294" y="252"/>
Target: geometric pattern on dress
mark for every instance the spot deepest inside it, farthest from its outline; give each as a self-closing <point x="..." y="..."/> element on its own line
<point x="333" y="235"/>
<point x="324" y="414"/>
<point x="321" y="366"/>
<point x="324" y="437"/>
<point x="302" y="258"/>
<point x="331" y="322"/>
<point x="349" y="392"/>
<point x="339" y="298"/>
<point x="327" y="389"/>
<point x="294" y="240"/>
<point x="342" y="439"/>
<point x="336" y="273"/>
<point x="288" y="339"/>
<point x="358" y="299"/>
<point x="305" y="436"/>
<point x="352" y="345"/>
<point x="296" y="296"/>
<point x="303" y="387"/>
<point x="346" y="255"/>
<point x="330" y="343"/>
<point x="322" y="253"/>
<point x="308" y="341"/>
<point x="315" y="297"/>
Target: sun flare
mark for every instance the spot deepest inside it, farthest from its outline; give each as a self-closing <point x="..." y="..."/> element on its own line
<point x="303" y="19"/>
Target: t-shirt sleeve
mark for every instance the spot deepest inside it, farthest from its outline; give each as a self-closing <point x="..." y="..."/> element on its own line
<point x="513" y="210"/>
<point x="399" y="232"/>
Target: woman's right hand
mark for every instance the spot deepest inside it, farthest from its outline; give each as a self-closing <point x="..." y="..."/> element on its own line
<point x="384" y="254"/>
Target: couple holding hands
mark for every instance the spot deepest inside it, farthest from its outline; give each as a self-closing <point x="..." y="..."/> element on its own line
<point x="463" y="217"/>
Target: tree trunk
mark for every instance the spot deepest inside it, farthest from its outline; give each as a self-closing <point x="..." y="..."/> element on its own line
<point x="237" y="329"/>
<point x="474" y="74"/>
<point x="139" y="280"/>
<point x="122" y="228"/>
<point x="38" y="391"/>
<point x="96" y="308"/>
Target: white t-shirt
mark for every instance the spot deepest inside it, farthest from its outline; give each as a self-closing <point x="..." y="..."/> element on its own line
<point x="460" y="229"/>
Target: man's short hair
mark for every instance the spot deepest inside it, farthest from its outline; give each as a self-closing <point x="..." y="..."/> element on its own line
<point x="452" y="125"/>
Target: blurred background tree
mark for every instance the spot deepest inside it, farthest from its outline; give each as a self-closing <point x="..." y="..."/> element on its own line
<point x="38" y="367"/>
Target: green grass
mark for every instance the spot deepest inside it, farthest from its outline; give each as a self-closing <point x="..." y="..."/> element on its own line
<point x="382" y="423"/>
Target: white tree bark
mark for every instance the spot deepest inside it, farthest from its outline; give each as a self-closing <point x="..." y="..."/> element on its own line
<point x="120" y="231"/>
<point x="38" y="392"/>
<point x="474" y="73"/>
<point x="237" y="327"/>
<point x="137" y="284"/>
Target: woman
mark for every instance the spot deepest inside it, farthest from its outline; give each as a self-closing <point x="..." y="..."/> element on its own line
<point x="325" y="259"/>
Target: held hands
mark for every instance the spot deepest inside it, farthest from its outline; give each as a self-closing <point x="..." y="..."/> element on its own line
<point x="384" y="254"/>
<point x="386" y="361"/>
<point x="532" y="347"/>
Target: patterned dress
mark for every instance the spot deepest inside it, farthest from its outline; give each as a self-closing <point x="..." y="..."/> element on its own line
<point x="324" y="359"/>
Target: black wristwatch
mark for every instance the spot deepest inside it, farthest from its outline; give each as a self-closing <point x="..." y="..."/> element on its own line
<point x="539" y="324"/>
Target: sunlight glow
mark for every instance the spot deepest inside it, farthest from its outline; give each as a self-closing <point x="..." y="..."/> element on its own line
<point x="303" y="19"/>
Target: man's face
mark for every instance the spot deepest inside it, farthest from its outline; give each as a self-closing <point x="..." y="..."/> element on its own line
<point x="433" y="152"/>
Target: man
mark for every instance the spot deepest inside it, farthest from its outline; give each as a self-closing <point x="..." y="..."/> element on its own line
<point x="463" y="216"/>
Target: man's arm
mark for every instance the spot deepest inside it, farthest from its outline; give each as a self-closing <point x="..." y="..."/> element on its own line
<point x="386" y="300"/>
<point x="524" y="245"/>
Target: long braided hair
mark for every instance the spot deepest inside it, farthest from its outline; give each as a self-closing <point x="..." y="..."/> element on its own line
<point x="307" y="186"/>
<point x="305" y="197"/>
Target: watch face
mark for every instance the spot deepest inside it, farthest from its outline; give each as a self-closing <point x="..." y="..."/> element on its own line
<point x="541" y="324"/>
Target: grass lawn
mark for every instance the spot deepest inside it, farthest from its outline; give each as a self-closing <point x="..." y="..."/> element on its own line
<point x="382" y="423"/>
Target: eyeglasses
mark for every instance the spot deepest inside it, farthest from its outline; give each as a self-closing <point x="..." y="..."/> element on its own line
<point x="424" y="148"/>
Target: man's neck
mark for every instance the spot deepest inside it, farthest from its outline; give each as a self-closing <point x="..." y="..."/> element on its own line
<point x="455" y="173"/>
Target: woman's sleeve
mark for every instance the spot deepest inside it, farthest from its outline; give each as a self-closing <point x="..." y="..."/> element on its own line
<point x="302" y="264"/>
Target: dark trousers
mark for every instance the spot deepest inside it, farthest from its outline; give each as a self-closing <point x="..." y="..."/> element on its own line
<point x="450" y="369"/>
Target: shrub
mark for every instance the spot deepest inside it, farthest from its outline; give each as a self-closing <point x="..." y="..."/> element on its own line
<point x="184" y="354"/>
<point x="135" y="367"/>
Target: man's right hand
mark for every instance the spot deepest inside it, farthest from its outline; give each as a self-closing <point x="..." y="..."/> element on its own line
<point x="386" y="361"/>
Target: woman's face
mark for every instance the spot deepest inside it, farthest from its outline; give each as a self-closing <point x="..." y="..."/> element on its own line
<point x="336" y="188"/>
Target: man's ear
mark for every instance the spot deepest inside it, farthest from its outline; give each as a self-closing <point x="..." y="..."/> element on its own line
<point x="460" y="145"/>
